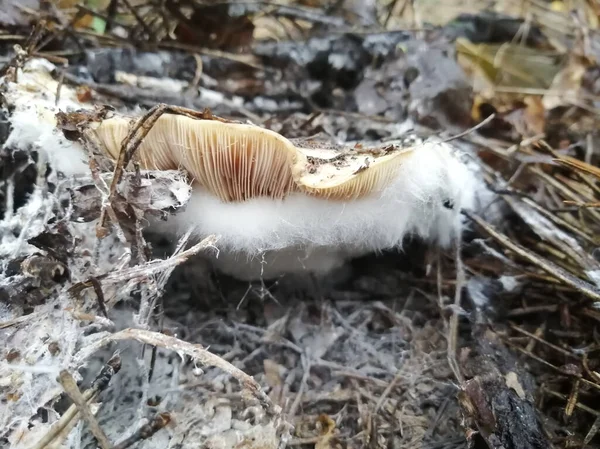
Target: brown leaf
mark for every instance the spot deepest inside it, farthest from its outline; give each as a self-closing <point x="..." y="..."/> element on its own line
<point x="212" y="26"/>
<point x="327" y="439"/>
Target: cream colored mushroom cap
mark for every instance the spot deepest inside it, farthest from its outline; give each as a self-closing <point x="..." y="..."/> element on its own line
<point x="238" y="161"/>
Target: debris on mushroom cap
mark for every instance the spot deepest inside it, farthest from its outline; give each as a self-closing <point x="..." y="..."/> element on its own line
<point x="340" y="173"/>
<point x="238" y="161"/>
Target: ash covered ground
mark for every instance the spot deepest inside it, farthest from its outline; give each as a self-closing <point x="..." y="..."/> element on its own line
<point x="119" y="337"/>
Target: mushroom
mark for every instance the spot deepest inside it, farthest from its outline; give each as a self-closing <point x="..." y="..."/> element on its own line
<point x="281" y="205"/>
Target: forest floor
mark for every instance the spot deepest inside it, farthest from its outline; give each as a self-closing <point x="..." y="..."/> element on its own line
<point x="113" y="342"/>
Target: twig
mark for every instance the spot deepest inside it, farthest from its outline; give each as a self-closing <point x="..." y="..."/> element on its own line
<point x="158" y="422"/>
<point x="555" y="368"/>
<point x="541" y="340"/>
<point x="147" y="307"/>
<point x="19" y="320"/>
<point x="70" y="387"/>
<point x="472" y="129"/>
<point x="22" y="54"/>
<point x="100" y="383"/>
<point x="298" y="399"/>
<point x="578" y="405"/>
<point x="141" y="272"/>
<point x="567" y="278"/>
<point x="453" y="321"/>
<point x="195" y="351"/>
<point x="387" y="391"/>
<point x="592" y="432"/>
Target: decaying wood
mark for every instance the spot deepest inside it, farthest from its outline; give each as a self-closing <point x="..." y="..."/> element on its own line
<point x="498" y="398"/>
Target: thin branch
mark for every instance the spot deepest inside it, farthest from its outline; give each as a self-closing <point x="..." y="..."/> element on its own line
<point x="70" y="386"/>
<point x="195" y="351"/>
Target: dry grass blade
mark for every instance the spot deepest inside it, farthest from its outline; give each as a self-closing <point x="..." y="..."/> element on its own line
<point x="593" y="205"/>
<point x="557" y="369"/>
<point x="584" y="234"/>
<point x="549" y="232"/>
<point x="578" y="405"/>
<point x="550" y="267"/>
<point x="541" y="340"/>
<point x="578" y="165"/>
<point x="592" y="432"/>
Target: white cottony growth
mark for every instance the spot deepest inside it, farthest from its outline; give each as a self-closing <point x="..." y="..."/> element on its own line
<point x="33" y="120"/>
<point x="302" y="233"/>
<point x="431" y="188"/>
<point x="29" y="220"/>
<point x="509" y="283"/>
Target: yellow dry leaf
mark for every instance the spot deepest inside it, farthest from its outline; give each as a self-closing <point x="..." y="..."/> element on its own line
<point x="327" y="439"/>
<point x="512" y="381"/>
<point x="565" y="87"/>
<point x="512" y="65"/>
<point x="559" y="6"/>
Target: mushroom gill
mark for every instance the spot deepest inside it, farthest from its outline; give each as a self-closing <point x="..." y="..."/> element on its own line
<point x="237" y="161"/>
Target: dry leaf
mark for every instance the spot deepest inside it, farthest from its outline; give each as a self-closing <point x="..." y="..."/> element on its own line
<point x="327" y="439"/>
<point x="512" y="381"/>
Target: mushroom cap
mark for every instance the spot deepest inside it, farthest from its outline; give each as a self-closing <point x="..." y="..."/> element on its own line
<point x="238" y="161"/>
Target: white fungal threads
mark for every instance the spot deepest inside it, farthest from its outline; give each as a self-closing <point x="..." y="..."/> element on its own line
<point x="33" y="118"/>
<point x="294" y="220"/>
<point x="304" y="232"/>
<point x="425" y="200"/>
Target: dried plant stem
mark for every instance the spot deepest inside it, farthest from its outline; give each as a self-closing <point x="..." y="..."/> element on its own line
<point x="70" y="386"/>
<point x="19" y="320"/>
<point x="141" y="272"/>
<point x="57" y="431"/>
<point x="158" y="422"/>
<point x="453" y="321"/>
<point x="387" y="391"/>
<point x="64" y="421"/>
<point x="559" y="273"/>
<point x="541" y="340"/>
<point x="553" y="367"/>
<point x="578" y="405"/>
<point x="592" y="432"/>
<point x="296" y="404"/>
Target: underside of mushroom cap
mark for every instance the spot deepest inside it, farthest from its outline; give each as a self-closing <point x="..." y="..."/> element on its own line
<point x="233" y="161"/>
<point x="237" y="161"/>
